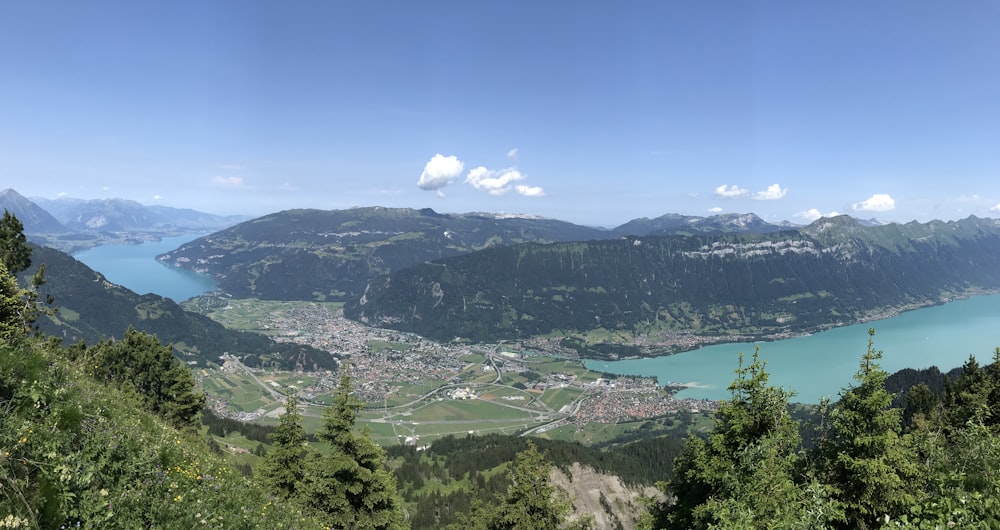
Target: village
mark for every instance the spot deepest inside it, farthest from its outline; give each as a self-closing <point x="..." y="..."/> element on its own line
<point x="383" y="362"/>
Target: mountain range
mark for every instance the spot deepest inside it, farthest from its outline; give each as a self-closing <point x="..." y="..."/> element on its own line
<point x="73" y="224"/>
<point x="648" y="289"/>
<point x="332" y="255"/>
<point x="649" y="283"/>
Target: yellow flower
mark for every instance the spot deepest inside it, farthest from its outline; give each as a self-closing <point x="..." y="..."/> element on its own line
<point x="178" y="498"/>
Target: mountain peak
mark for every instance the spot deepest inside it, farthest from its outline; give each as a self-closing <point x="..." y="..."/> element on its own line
<point x="34" y="218"/>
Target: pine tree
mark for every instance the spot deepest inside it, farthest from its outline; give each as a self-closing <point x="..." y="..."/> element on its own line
<point x="18" y="307"/>
<point x="350" y="486"/>
<point x="967" y="398"/>
<point x="15" y="253"/>
<point x="742" y="476"/>
<point x="284" y="464"/>
<point x="531" y="502"/>
<point x="141" y="361"/>
<point x="11" y="326"/>
<point x="863" y="455"/>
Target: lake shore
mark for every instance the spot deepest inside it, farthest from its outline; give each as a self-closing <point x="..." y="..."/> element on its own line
<point x="664" y="344"/>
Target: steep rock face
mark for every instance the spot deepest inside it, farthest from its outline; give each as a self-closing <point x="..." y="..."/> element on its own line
<point x="832" y="272"/>
<point x="604" y="497"/>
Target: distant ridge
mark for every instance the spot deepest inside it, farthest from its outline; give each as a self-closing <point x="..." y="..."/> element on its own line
<point x="664" y="291"/>
<point x="122" y="215"/>
<point x="36" y="220"/>
<point x="310" y="254"/>
<point x="76" y="224"/>
<point x="673" y="223"/>
<point x="331" y="254"/>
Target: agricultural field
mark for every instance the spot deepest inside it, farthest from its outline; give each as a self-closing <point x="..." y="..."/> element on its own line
<point x="239" y="391"/>
<point x="465" y="410"/>
<point x="557" y="398"/>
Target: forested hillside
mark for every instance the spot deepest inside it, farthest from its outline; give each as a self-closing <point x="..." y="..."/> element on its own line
<point x="91" y="308"/>
<point x="832" y="272"/>
<point x="330" y="255"/>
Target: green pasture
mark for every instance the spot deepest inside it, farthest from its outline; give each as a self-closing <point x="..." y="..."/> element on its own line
<point x="498" y="392"/>
<point x="248" y="314"/>
<point x="464" y="410"/>
<point x="565" y="366"/>
<point x="557" y="398"/>
<point x="242" y="392"/>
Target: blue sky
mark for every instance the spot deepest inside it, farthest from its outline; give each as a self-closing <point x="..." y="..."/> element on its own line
<point x="592" y="112"/>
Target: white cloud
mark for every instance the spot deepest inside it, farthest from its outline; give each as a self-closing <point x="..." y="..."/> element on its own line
<point x="493" y="182"/>
<point x="439" y="172"/>
<point x="813" y="214"/>
<point x="880" y="202"/>
<point x="157" y="197"/>
<point x="715" y="210"/>
<point x="228" y="182"/>
<point x="996" y="208"/>
<point x="512" y="154"/>
<point x="731" y="192"/>
<point x="106" y="188"/>
<point x="530" y="191"/>
<point x="62" y="194"/>
<point x="772" y="193"/>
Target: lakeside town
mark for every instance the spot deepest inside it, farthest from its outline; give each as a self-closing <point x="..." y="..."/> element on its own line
<point x="385" y="362"/>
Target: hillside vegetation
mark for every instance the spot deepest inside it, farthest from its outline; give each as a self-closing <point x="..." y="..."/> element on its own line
<point x="91" y="308"/>
<point x="331" y="255"/>
<point x="648" y="289"/>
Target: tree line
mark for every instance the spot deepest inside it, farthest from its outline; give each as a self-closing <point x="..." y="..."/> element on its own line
<point x="866" y="470"/>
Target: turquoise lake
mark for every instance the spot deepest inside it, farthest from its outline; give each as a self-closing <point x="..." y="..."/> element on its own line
<point x="135" y="267"/>
<point x="824" y="363"/>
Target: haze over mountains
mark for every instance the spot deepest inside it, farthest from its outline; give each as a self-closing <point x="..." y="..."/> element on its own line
<point x="71" y="224"/>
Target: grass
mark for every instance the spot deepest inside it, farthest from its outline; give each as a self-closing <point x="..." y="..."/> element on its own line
<point x="465" y="410"/>
<point x="557" y="398"/>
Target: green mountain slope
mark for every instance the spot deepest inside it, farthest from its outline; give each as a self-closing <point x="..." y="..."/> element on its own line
<point x="331" y="255"/>
<point x="91" y="308"/>
<point x="832" y="272"/>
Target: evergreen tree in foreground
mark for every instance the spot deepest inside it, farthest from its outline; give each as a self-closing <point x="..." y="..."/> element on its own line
<point x="284" y="464"/>
<point x="863" y="456"/>
<point x="532" y="502"/>
<point x="15" y="254"/>
<point x="743" y="475"/>
<point x="350" y="486"/>
<point x="140" y="361"/>
<point x="18" y="307"/>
